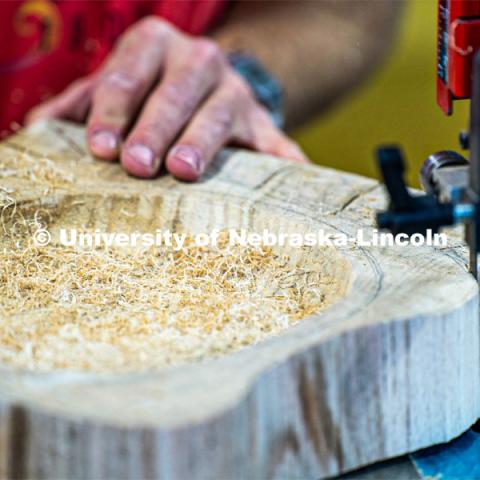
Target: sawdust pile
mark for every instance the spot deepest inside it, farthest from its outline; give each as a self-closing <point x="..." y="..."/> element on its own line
<point x="21" y="165"/>
<point x="122" y="310"/>
<point x="117" y="310"/>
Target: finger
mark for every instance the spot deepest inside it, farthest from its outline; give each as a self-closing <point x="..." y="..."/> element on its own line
<point x="217" y="122"/>
<point x="270" y="139"/>
<point x="128" y="75"/>
<point x="71" y="104"/>
<point x="188" y="80"/>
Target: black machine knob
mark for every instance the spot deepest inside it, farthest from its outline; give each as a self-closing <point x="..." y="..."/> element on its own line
<point x="407" y="213"/>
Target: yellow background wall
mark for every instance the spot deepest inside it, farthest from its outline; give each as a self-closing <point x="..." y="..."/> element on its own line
<point x="397" y="105"/>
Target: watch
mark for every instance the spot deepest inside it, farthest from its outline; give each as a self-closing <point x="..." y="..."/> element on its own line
<point x="265" y="86"/>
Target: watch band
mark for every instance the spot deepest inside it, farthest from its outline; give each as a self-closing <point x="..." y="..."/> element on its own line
<point x="265" y="86"/>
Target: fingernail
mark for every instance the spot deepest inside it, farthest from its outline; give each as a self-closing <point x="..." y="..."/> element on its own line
<point x="103" y="140"/>
<point x="189" y="156"/>
<point x="142" y="155"/>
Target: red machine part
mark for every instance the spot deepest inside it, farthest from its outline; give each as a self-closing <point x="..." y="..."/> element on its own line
<point x="458" y="40"/>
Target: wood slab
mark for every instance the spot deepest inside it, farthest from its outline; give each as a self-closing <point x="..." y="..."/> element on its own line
<point x="390" y="368"/>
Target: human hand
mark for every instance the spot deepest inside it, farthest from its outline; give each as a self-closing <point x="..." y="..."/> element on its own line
<point x="165" y="96"/>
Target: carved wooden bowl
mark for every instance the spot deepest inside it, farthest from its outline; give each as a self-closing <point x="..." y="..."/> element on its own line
<point x="388" y="366"/>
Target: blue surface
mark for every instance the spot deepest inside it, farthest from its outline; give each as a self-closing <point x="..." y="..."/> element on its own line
<point x="457" y="460"/>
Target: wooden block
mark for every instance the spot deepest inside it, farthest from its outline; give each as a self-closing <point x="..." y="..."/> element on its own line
<point x="390" y="368"/>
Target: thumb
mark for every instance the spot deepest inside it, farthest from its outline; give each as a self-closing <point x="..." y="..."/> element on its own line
<point x="71" y="104"/>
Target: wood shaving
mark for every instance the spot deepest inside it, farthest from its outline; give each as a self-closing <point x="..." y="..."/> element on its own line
<point x="123" y="310"/>
<point x="37" y="170"/>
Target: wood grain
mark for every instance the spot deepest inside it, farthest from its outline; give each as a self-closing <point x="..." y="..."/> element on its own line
<point x="390" y="368"/>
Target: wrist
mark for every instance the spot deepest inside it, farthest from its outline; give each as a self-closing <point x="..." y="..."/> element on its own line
<point x="264" y="85"/>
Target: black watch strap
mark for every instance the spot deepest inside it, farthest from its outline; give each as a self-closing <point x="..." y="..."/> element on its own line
<point x="266" y="88"/>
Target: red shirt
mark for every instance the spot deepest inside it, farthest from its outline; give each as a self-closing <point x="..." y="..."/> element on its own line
<point x="46" y="44"/>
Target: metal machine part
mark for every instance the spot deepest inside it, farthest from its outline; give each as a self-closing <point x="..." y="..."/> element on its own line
<point x="452" y="186"/>
<point x="434" y="163"/>
<point x="449" y="184"/>
<point x="408" y="213"/>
